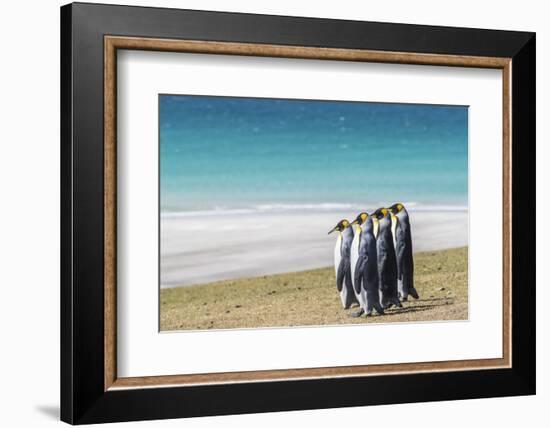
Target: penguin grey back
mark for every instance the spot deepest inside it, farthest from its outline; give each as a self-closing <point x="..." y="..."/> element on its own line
<point x="347" y="238"/>
<point x="367" y="242"/>
<point x="366" y="270"/>
<point x="404" y="253"/>
<point x="342" y="263"/>
<point x="387" y="262"/>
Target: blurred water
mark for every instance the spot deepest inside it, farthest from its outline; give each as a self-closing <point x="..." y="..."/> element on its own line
<point x="221" y="153"/>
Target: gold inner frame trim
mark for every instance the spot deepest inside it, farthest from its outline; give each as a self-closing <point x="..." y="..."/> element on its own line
<point x="113" y="43"/>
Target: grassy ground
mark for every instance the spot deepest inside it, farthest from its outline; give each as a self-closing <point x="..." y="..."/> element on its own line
<point x="311" y="298"/>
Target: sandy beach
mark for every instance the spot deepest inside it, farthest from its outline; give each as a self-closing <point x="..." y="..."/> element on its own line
<point x="204" y="247"/>
<point x="310" y="298"/>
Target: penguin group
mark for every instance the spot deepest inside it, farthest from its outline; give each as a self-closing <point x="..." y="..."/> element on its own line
<point x="373" y="260"/>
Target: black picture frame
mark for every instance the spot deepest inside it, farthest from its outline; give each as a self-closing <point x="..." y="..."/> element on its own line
<point x="83" y="398"/>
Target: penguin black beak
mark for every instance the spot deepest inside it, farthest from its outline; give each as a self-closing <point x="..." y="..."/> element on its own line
<point x="332" y="230"/>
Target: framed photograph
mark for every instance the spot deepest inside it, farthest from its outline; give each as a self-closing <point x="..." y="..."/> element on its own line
<point x="265" y="213"/>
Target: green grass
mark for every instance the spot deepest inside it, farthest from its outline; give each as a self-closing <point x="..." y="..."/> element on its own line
<point x="311" y="298"/>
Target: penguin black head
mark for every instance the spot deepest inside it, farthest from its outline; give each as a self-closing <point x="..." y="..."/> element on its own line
<point x="340" y="226"/>
<point x="361" y="218"/>
<point x="396" y="208"/>
<point x="380" y="213"/>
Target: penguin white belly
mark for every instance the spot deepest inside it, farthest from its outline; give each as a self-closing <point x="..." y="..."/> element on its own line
<point x="337" y="253"/>
<point x="337" y="259"/>
<point x="344" y="296"/>
<point x="361" y="296"/>
<point x="394" y="230"/>
<point x="362" y="299"/>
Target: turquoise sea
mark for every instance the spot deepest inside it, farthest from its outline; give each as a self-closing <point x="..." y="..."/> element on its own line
<point x="228" y="153"/>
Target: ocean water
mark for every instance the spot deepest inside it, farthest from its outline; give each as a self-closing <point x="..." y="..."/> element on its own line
<point x="246" y="154"/>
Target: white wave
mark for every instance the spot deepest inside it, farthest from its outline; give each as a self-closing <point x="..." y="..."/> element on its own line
<point x="319" y="207"/>
<point x="328" y="206"/>
<point x="437" y="208"/>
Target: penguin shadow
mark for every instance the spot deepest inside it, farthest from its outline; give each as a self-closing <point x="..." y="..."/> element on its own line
<point x="430" y="299"/>
<point x="409" y="309"/>
<point x="417" y="308"/>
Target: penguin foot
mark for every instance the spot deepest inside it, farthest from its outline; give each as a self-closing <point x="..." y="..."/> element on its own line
<point x="404" y="299"/>
<point x="368" y="314"/>
<point x="414" y="293"/>
<point x="379" y="311"/>
<point x="357" y="314"/>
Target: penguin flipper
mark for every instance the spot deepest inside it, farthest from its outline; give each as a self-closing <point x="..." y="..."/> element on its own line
<point x="387" y="269"/>
<point x="354" y="255"/>
<point x="358" y="274"/>
<point x="349" y="284"/>
<point x="400" y="256"/>
<point x="343" y="273"/>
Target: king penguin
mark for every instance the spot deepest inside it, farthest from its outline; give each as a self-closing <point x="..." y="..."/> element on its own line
<point x="364" y="266"/>
<point x="342" y="263"/>
<point x="387" y="262"/>
<point x="404" y="252"/>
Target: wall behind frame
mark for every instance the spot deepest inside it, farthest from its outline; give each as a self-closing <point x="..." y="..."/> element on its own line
<point x="29" y="219"/>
